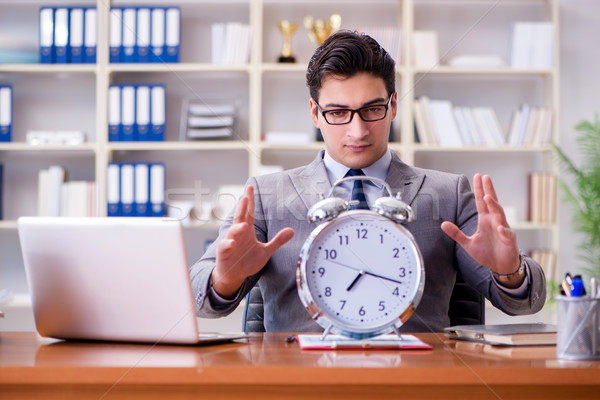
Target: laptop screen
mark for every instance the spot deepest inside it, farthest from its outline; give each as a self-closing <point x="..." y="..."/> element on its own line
<point x="123" y="279"/>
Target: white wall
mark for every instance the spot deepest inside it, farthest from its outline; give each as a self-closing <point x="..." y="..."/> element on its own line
<point x="579" y="100"/>
<point x="580" y="93"/>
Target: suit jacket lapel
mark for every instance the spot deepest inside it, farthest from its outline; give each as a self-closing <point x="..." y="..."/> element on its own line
<point x="404" y="179"/>
<point x="311" y="182"/>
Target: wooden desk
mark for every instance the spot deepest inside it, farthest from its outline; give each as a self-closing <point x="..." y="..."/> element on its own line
<point x="266" y="367"/>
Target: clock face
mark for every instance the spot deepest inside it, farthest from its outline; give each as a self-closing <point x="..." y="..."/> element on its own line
<point x="361" y="273"/>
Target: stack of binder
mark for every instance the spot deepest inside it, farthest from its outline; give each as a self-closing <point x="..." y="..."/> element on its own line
<point x="136" y="113"/>
<point x="68" y="35"/>
<point x="144" y="34"/>
<point x="5" y="113"/>
<point x="202" y="120"/>
<point x="135" y="189"/>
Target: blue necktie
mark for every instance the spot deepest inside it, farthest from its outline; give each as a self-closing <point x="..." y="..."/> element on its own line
<point x="357" y="191"/>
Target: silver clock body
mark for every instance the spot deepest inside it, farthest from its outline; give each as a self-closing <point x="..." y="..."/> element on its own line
<point x="360" y="274"/>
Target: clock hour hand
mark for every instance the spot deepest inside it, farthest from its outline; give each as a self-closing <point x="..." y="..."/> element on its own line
<point x="360" y="274"/>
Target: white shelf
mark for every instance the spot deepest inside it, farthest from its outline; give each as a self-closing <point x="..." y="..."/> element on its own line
<point x="508" y="71"/>
<point x="48" y="68"/>
<point x="25" y="147"/>
<point x="315" y="146"/>
<point x="177" y="67"/>
<point x="178" y="145"/>
<point x="479" y="149"/>
<point x="7" y="224"/>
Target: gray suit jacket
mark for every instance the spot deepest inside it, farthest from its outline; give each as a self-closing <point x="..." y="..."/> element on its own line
<point x="283" y="199"/>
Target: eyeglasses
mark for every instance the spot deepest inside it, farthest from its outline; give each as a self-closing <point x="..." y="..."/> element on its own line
<point x="343" y="116"/>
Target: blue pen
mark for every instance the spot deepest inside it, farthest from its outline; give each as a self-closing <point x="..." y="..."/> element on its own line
<point x="580" y="279"/>
<point x="577" y="286"/>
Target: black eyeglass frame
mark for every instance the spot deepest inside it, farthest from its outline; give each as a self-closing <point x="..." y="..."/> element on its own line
<point x="356" y="111"/>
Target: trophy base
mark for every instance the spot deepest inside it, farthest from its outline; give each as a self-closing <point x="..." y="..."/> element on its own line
<point x="286" y="59"/>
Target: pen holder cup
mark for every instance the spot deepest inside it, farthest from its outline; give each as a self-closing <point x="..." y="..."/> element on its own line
<point x="578" y="328"/>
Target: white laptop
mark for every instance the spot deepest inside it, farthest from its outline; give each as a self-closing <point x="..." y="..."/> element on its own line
<point x="113" y="279"/>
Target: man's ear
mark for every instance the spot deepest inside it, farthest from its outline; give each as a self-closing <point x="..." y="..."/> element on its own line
<point x="394" y="104"/>
<point x="313" y="112"/>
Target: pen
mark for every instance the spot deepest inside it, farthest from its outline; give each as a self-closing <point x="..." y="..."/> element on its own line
<point x="566" y="288"/>
<point x="290" y="339"/>
<point x="576" y="286"/>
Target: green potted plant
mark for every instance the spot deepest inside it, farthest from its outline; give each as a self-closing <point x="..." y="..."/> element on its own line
<point x="583" y="194"/>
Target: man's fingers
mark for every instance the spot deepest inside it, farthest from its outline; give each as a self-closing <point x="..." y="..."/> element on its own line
<point x="506" y="233"/>
<point x="455" y="233"/>
<point x="280" y="239"/>
<point x="250" y="207"/>
<point x="240" y="212"/>
<point x="225" y="247"/>
<point x="245" y="207"/>
<point x="488" y="187"/>
<point x="479" y="193"/>
<point x="496" y="209"/>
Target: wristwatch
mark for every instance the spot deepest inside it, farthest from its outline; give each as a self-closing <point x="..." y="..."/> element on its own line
<point x="509" y="277"/>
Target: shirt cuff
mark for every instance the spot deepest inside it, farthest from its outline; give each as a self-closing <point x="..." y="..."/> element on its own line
<point x="518" y="292"/>
<point x="216" y="300"/>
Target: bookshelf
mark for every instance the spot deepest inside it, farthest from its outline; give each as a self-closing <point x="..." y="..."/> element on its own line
<point x="271" y="97"/>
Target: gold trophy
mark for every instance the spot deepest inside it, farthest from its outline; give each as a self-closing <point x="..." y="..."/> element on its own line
<point x="287" y="28"/>
<point x="319" y="30"/>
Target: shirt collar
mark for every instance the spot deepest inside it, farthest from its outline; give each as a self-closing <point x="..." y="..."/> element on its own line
<point x="378" y="169"/>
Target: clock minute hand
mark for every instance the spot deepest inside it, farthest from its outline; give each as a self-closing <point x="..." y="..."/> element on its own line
<point x="361" y="272"/>
<point x="382" y="277"/>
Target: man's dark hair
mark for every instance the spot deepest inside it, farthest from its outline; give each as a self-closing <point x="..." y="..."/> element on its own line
<point x="346" y="53"/>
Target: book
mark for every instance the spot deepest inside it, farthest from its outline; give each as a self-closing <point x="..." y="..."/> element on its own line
<point x="383" y="342"/>
<point x="230" y="43"/>
<point x="444" y="125"/>
<point x="542" y="197"/>
<point x="532" y="45"/>
<point x="425" y="45"/>
<point x="524" y="334"/>
<point x="547" y="260"/>
<point x="426" y="132"/>
<point x="492" y="352"/>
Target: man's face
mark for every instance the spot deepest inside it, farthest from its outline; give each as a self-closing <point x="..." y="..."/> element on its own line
<point x="357" y="144"/>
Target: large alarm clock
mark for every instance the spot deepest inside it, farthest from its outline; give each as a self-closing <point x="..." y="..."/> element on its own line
<point x="360" y="272"/>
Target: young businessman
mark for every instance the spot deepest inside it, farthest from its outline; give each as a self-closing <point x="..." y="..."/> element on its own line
<point x="353" y="101"/>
